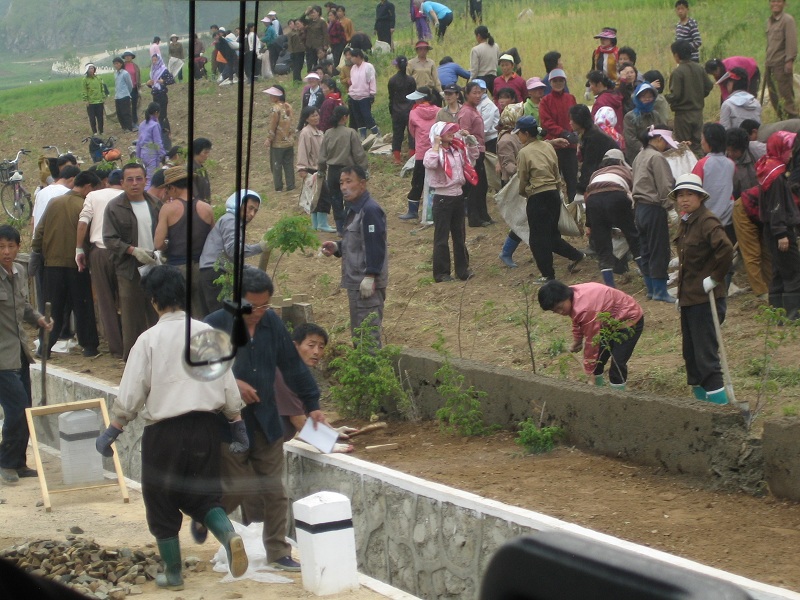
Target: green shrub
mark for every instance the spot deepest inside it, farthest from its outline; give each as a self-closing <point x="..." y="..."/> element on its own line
<point x="365" y="375"/>
<point x="535" y="439"/>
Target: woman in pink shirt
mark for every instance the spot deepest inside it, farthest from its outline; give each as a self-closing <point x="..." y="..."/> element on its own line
<point x="448" y="164"/>
<point x="362" y="90"/>
<point x="582" y="303"/>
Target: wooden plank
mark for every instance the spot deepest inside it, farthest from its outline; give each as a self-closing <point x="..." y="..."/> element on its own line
<point x="381" y="447"/>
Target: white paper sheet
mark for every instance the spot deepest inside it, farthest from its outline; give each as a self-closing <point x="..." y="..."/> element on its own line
<point x="322" y="438"/>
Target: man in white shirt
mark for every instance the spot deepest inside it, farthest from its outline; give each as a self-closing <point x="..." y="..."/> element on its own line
<point x="104" y="277"/>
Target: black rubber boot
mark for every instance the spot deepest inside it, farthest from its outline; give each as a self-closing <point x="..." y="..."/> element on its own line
<point x="220" y="525"/>
<point x="170" y="551"/>
<point x="791" y="304"/>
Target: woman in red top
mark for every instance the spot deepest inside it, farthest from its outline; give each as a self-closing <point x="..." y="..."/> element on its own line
<point x="554" y="115"/>
<point x="333" y="98"/>
<point x="337" y="37"/>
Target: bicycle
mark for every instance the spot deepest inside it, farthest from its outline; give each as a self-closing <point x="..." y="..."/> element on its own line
<point x="103" y="150"/>
<point x="15" y="199"/>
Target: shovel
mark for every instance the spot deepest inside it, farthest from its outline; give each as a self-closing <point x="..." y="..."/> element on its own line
<point x="44" y="350"/>
<point x="743" y="406"/>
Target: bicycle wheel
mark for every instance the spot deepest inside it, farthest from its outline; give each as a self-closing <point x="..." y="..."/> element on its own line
<point x="16" y="201"/>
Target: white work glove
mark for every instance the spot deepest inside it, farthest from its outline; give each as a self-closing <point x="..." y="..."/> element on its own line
<point x="144" y="257"/>
<point x="673" y="216"/>
<point x="80" y="258"/>
<point x="709" y="284"/>
<point x="588" y="94"/>
<point x="367" y="287"/>
<point x="263" y="244"/>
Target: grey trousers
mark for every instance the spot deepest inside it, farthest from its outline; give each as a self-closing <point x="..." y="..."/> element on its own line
<point x="361" y="308"/>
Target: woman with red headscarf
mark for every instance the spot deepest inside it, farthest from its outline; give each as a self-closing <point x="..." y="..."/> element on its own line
<point x="449" y="165"/>
<point x="779" y="213"/>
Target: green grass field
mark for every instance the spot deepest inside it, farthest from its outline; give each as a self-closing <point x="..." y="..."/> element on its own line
<point x="728" y="28"/>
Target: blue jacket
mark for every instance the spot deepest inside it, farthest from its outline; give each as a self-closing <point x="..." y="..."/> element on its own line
<point x="450" y="72"/>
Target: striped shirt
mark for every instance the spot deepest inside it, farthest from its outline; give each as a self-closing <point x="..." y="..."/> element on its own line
<point x="688" y="31"/>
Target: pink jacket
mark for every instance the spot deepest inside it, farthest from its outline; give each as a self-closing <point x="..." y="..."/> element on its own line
<point x="442" y="184"/>
<point x="362" y="81"/>
<point x="591" y="299"/>
<point x="420" y="121"/>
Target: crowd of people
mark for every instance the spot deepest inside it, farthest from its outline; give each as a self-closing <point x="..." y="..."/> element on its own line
<point x="611" y="156"/>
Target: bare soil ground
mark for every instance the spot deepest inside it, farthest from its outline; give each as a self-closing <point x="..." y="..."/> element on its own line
<point x="755" y="537"/>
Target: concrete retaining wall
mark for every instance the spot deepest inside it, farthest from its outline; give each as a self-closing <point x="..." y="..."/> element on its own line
<point x="782" y="457"/>
<point x="434" y="541"/>
<point x="678" y="434"/>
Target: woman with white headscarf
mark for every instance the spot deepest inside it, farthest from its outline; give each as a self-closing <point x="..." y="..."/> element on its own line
<point x="160" y="78"/>
<point x="449" y="164"/>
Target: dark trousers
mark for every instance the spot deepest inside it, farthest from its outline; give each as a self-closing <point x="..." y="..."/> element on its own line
<point x="785" y="265"/>
<point x="311" y="59"/>
<point x="651" y="221"/>
<point x="605" y="210"/>
<point x="209" y="289"/>
<point x="180" y="471"/>
<point x="621" y="352"/>
<point x="137" y="313"/>
<point x="700" y="347"/>
<point x="543" y="210"/>
<point x="274" y="54"/>
<point x="568" y="165"/>
<point x="443" y="25"/>
<point x="14" y="399"/>
<point x="281" y="161"/>
<point x="417" y="182"/>
<point x="124" y="113"/>
<point x="384" y="33"/>
<point x="297" y="65"/>
<point x="95" y="112"/>
<point x="476" y="11"/>
<point x="135" y="105"/>
<point x="448" y="221"/>
<point x="335" y="194"/>
<point x="61" y="283"/>
<point x="477" y="212"/>
<point x="688" y="128"/>
<point x="336" y="50"/>
<point x="399" y="129"/>
<point x="162" y="100"/>
<point x="104" y="284"/>
<point x="362" y="111"/>
<point x="362" y="308"/>
<point x="248" y="65"/>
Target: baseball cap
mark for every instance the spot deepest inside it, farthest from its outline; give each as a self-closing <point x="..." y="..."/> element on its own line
<point x="452" y="87"/>
<point x="534" y="83"/>
<point x="666" y="135"/>
<point x="557" y="73"/>
<point x="527" y="124"/>
<point x="481" y="83"/>
<point x="266" y="20"/>
<point x="312" y="76"/>
<point x="608" y="32"/>
<point x="507" y="57"/>
<point x="115" y="177"/>
<point x="421" y="93"/>
<point x="272" y="13"/>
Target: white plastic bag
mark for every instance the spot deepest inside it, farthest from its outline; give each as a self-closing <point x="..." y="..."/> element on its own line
<point x="309" y="193"/>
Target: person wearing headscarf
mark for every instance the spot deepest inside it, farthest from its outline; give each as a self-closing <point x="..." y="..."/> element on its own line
<point x="149" y="143"/>
<point x="640" y="119"/>
<point x="606" y="121"/>
<point x="94" y="96"/>
<point x="780" y="217"/>
<point x="220" y="246"/>
<point x="449" y="164"/>
<point x="420" y="120"/>
<point x="160" y="78"/>
<point x="593" y="144"/>
<point x="508" y="147"/>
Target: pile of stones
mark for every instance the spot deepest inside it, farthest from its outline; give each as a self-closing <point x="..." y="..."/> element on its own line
<point x="87" y="567"/>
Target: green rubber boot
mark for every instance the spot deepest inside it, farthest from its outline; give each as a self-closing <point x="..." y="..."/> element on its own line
<point x="599" y="381"/>
<point x="618" y="386"/>
<point x="719" y="396"/>
<point x="170" y="551"/>
<point x="220" y="525"/>
<point x="699" y="392"/>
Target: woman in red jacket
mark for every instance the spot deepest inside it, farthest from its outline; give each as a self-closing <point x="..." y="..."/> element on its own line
<point x="554" y="114"/>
